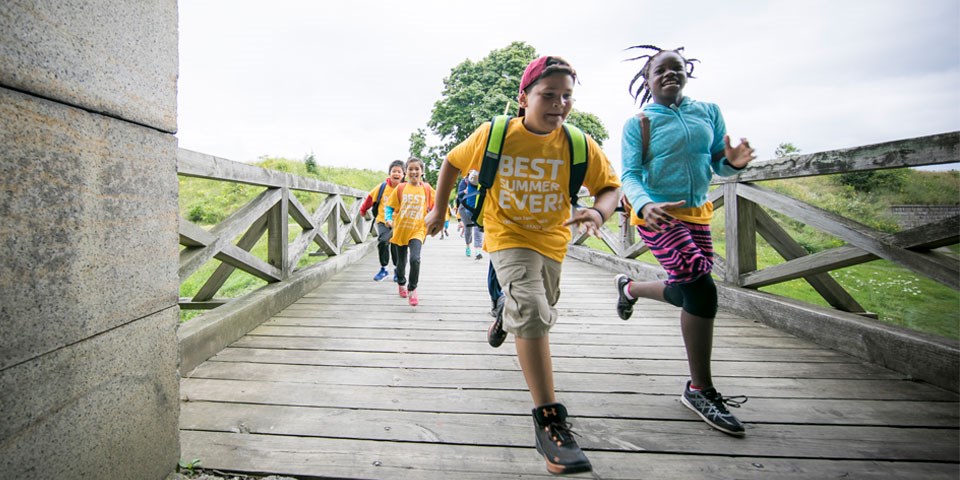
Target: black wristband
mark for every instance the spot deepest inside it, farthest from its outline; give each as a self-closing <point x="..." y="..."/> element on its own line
<point x="602" y="219"/>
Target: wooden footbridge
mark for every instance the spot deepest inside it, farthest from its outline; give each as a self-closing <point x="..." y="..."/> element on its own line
<point x="348" y="381"/>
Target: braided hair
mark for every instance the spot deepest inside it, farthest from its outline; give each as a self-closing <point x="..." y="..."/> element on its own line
<point x="643" y="91"/>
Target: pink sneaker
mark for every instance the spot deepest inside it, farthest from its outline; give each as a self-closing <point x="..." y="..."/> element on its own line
<point x="414" y="301"/>
<point x="403" y="291"/>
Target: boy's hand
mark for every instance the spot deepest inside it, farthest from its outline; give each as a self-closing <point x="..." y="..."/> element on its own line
<point x="657" y="214"/>
<point x="434" y="222"/>
<point x="740" y="155"/>
<point x="388" y="223"/>
<point x="587" y="220"/>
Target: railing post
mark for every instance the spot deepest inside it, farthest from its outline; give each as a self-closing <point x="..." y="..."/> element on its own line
<point x="333" y="225"/>
<point x="278" y="234"/>
<point x="741" y="234"/>
<point x="628" y="235"/>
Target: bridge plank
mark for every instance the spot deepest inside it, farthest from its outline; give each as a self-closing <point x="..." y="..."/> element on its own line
<point x="351" y="382"/>
<point x="345" y="458"/>
<point x="651" y="436"/>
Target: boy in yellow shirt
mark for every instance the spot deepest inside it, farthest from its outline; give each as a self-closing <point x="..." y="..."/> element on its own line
<point x="526" y="217"/>
<point x="377" y="199"/>
<point x="406" y="208"/>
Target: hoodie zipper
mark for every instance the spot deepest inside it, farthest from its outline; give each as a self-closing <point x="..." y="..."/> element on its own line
<point x="686" y="161"/>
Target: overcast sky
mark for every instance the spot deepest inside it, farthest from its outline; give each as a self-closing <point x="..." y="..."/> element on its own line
<point x="351" y="80"/>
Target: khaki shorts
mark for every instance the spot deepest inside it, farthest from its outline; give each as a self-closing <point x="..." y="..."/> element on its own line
<point x="531" y="283"/>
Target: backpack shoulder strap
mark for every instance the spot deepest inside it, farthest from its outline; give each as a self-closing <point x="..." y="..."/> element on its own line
<point x="491" y="156"/>
<point x="376" y="204"/>
<point x="430" y="194"/>
<point x="489" y="165"/>
<point x="578" y="154"/>
<point x="399" y="190"/>
<point x="644" y="135"/>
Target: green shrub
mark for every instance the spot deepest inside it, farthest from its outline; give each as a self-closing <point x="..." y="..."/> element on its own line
<point x="873" y="180"/>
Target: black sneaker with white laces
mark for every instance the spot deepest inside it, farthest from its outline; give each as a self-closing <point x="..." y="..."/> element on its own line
<point x="712" y="408"/>
<point x="555" y="440"/>
<point x="495" y="334"/>
<point x="624" y="304"/>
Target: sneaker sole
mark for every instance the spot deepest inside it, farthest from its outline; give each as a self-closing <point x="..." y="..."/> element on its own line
<point x="686" y="403"/>
<point x="561" y="469"/>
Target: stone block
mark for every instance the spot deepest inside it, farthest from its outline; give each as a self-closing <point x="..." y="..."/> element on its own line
<point x="115" y="57"/>
<point x="88" y="240"/>
<point x="106" y="407"/>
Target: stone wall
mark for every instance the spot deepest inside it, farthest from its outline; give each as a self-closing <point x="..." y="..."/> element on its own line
<point x="911" y="216"/>
<point x="88" y="239"/>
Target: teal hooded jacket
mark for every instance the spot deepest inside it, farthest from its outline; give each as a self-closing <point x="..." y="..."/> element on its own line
<point x="680" y="165"/>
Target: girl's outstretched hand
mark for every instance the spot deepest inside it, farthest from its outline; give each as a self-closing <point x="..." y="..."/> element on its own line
<point x="656" y="214"/>
<point x="740" y="155"/>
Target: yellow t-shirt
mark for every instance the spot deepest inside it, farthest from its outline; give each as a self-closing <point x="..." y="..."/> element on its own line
<point x="530" y="199"/>
<point x="700" y="215"/>
<point x="383" y="201"/>
<point x="409" y="214"/>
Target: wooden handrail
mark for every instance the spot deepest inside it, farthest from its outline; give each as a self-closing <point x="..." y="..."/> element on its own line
<point x="741" y="200"/>
<point x="269" y="213"/>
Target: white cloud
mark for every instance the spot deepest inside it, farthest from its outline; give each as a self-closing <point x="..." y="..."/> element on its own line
<point x="351" y="80"/>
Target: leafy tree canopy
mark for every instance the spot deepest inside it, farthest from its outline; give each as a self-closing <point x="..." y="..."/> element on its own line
<point x="475" y="92"/>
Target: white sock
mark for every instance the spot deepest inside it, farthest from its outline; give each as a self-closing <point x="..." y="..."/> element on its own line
<point x="626" y="291"/>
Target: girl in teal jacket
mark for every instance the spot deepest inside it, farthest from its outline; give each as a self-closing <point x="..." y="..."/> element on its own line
<point x="666" y="183"/>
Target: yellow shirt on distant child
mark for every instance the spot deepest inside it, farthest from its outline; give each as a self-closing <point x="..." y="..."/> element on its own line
<point x="530" y="199"/>
<point x="410" y="212"/>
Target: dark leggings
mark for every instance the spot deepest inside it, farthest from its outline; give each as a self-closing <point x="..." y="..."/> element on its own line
<point x="386" y="249"/>
<point x="414" y="250"/>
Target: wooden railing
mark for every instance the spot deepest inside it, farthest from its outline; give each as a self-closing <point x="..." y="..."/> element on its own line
<point x="330" y="227"/>
<point x="745" y="206"/>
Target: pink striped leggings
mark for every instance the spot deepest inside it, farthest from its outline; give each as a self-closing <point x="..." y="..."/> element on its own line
<point x="684" y="250"/>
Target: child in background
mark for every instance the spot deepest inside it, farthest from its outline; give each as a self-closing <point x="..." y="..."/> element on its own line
<point x="666" y="183"/>
<point x="377" y="198"/>
<point x="527" y="233"/>
<point x="467" y="193"/>
<point x="406" y="209"/>
<point x="446" y="222"/>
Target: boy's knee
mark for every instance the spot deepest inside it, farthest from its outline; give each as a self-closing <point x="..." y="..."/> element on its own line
<point x="699" y="297"/>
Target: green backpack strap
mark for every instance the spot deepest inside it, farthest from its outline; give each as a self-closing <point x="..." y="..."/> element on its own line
<point x="578" y="151"/>
<point x="489" y="165"/>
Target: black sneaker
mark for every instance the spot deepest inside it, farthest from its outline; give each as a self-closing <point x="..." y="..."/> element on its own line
<point x="555" y="440"/>
<point x="711" y="406"/>
<point x="495" y="334"/>
<point x="624" y="304"/>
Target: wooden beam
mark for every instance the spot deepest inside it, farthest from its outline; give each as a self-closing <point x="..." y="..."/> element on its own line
<point x="854" y="233"/>
<point x="224" y="270"/>
<point x="930" y="150"/>
<point x="741" y="234"/>
<point x="788" y="248"/>
<point x="278" y="234"/>
<point x="201" y="165"/>
<point x="919" y="239"/>
<point x="193" y="258"/>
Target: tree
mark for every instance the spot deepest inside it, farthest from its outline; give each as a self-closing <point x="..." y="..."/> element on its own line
<point x="589" y="123"/>
<point x="311" y="163"/>
<point x="476" y="91"/>
<point x="785" y="149"/>
<point x="431" y="156"/>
